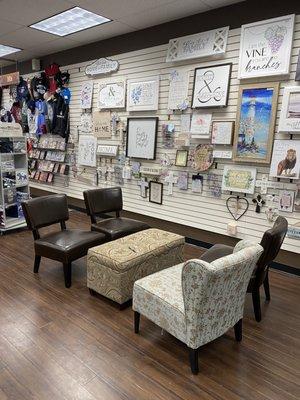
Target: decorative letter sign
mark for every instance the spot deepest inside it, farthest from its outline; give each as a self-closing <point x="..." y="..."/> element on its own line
<point x="266" y="47"/>
<point x="102" y="66"/>
<point x="199" y="45"/>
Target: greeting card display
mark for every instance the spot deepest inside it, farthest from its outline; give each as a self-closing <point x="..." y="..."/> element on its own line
<point x="290" y="111"/>
<point x="86" y="95"/>
<point x="142" y="94"/>
<point x="286" y="159"/>
<point x="178" y="90"/>
<point x="265" y="48"/>
<point x="237" y="178"/>
<point x="200" y="125"/>
<point x="211" y="86"/>
<point x="141" y="137"/>
<point x="221" y="132"/>
<point x="111" y="94"/>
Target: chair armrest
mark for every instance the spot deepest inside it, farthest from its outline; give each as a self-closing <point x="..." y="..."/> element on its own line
<point x="215" y="252"/>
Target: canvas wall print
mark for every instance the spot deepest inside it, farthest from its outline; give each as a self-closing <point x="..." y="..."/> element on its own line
<point x="141" y="137"/>
<point x="86" y="95"/>
<point x="254" y="128"/>
<point x="221" y="132"/>
<point x="211" y="86"/>
<point x="142" y="94"/>
<point x="238" y="178"/>
<point x="155" y="192"/>
<point x="265" y="48"/>
<point x="87" y="148"/>
<point x="102" y="124"/>
<point x="178" y="90"/>
<point x="112" y="94"/>
<point x="200" y="125"/>
<point x="290" y="110"/>
<point x="286" y="159"/>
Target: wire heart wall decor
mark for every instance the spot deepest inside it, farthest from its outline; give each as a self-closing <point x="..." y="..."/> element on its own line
<point x="237" y="203"/>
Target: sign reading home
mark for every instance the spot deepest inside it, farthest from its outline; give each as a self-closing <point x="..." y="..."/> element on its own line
<point x="202" y="44"/>
<point x="101" y="67"/>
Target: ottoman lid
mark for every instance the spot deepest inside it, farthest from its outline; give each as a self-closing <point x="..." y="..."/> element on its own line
<point x="124" y="253"/>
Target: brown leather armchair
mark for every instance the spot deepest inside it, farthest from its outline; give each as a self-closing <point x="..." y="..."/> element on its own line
<point x="65" y="245"/>
<point x="101" y="201"/>
<point x="271" y="242"/>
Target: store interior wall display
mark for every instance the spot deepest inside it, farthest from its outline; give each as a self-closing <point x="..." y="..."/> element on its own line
<point x="149" y="199"/>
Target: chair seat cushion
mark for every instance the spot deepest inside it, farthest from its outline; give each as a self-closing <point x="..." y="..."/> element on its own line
<point x="115" y="228"/>
<point x="68" y="245"/>
<point x="159" y="297"/>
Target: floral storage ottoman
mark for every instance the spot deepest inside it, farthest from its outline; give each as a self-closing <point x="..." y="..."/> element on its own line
<point x="112" y="268"/>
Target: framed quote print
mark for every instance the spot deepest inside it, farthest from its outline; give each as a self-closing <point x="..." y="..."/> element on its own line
<point x="238" y="178"/>
<point x="155" y="192"/>
<point x="221" y="132"/>
<point x="111" y="94"/>
<point x="265" y="48"/>
<point x="290" y="110"/>
<point x="255" y="123"/>
<point x="141" y="137"/>
<point x="142" y="94"/>
<point x="211" y="86"/>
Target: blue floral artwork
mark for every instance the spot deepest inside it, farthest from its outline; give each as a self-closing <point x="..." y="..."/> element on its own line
<point x="136" y="94"/>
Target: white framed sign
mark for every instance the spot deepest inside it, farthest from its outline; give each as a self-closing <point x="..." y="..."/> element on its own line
<point x="178" y="90"/>
<point x="102" y="66"/>
<point x="86" y="95"/>
<point x="142" y="94"/>
<point x="286" y="159"/>
<point x="221" y="132"/>
<point x="265" y="48"/>
<point x="153" y="171"/>
<point x="290" y="111"/>
<point x="111" y="94"/>
<point x="239" y="178"/>
<point x="201" y="44"/>
<point x="107" y="150"/>
<point x="222" y="154"/>
<point x="87" y="150"/>
<point x="211" y="86"/>
<point x="141" y="137"/>
<point x="200" y="125"/>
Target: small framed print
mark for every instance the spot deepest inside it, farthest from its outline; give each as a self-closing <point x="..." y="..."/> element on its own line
<point x="211" y="86"/>
<point x="238" y="178"/>
<point x="155" y="192"/>
<point x="142" y="94"/>
<point x="285" y="159"/>
<point x="290" y="111"/>
<point x="200" y="125"/>
<point x="222" y="132"/>
<point x="141" y="138"/>
<point x="286" y="200"/>
<point x="181" y="158"/>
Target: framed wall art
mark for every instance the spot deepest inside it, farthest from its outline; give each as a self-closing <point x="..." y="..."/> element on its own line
<point x="221" y="132"/>
<point x="265" y="48"/>
<point x="155" y="192"/>
<point x="203" y="157"/>
<point x="255" y="123"/>
<point x="102" y="124"/>
<point x="290" y="110"/>
<point x="141" y="137"/>
<point x="238" y="178"/>
<point x="112" y="94"/>
<point x="211" y="86"/>
<point x="200" y="125"/>
<point x="142" y="94"/>
<point x="86" y="94"/>
<point x="286" y="200"/>
<point x="181" y="158"/>
<point x="286" y="159"/>
<point x="178" y="90"/>
<point x="87" y="147"/>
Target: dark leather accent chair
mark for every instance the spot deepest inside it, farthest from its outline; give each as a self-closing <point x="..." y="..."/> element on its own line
<point x="101" y="201"/>
<point x="271" y="242"/>
<point x="64" y="245"/>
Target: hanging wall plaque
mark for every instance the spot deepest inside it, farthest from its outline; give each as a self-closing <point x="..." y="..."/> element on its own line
<point x="107" y="150"/>
<point x="111" y="94"/>
<point x="86" y="95"/>
<point x="178" y="90"/>
<point x="102" y="124"/>
<point x="238" y="178"/>
<point x="102" y="66"/>
<point x="203" y="157"/>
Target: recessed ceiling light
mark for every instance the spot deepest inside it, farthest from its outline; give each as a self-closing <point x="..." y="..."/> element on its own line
<point x="5" y="50"/>
<point x="74" y="20"/>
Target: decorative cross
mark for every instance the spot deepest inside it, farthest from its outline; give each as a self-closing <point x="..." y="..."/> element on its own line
<point x="259" y="203"/>
<point x="144" y="185"/>
<point x="171" y="179"/>
<point x="114" y="122"/>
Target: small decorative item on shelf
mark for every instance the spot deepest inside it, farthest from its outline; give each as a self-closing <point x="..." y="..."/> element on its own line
<point x="232" y="228"/>
<point x="259" y="203"/>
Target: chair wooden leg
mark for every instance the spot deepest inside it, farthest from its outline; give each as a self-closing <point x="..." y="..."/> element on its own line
<point x="267" y="287"/>
<point x="256" y="304"/>
<point x="68" y="274"/>
<point x="92" y="292"/>
<point x="37" y="261"/>
<point x="137" y="317"/>
<point x="238" y="330"/>
<point x="193" y="353"/>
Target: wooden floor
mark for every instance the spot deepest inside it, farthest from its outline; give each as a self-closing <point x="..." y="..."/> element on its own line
<point x="58" y="343"/>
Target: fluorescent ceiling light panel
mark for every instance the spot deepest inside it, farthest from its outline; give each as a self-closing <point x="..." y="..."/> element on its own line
<point x="74" y="20"/>
<point x="5" y="50"/>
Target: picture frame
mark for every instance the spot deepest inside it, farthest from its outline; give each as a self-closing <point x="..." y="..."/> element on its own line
<point x="200" y="125"/>
<point x="112" y="94"/>
<point x="285" y="159"/>
<point x="141" y="137"/>
<point x="239" y="178"/>
<point x="222" y="132"/>
<point x="211" y="86"/>
<point x="255" y="123"/>
<point x="155" y="192"/>
<point x="181" y="158"/>
<point x="289" y="120"/>
<point x="286" y="200"/>
<point x="142" y="94"/>
<point x="87" y="151"/>
<point x="265" y="47"/>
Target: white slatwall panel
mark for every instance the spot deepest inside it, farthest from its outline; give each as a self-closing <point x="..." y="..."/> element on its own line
<point x="184" y="207"/>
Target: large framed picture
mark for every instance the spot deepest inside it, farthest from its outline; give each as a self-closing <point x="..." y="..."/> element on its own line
<point x="238" y="178"/>
<point x="142" y="94"/>
<point x="286" y="159"/>
<point x="255" y="123"/>
<point x="265" y="48"/>
<point x="290" y="110"/>
<point x="211" y="86"/>
<point x="111" y="94"/>
<point x="155" y="192"/>
<point x="141" y="137"/>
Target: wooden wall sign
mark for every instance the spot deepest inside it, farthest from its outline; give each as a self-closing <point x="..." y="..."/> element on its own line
<point x="102" y="124"/>
<point x="154" y="171"/>
<point x="201" y="44"/>
<point x="10" y="79"/>
<point x="102" y="66"/>
<point x="107" y="150"/>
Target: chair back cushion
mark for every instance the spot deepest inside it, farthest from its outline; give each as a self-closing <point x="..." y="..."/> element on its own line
<point x="105" y="200"/>
<point x="214" y="293"/>
<point x="45" y="210"/>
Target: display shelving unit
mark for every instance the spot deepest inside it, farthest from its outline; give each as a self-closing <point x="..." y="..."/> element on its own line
<point x="14" y="182"/>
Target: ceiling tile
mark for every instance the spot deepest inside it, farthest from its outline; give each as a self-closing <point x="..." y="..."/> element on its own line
<point x="26" y="37"/>
<point x="220" y="3"/>
<point x="53" y="47"/>
<point x="6" y="27"/>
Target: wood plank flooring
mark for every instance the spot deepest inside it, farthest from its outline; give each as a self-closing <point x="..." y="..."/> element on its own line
<point x="58" y="343"/>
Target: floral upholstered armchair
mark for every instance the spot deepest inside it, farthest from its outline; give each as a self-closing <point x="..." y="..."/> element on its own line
<point x="196" y="301"/>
